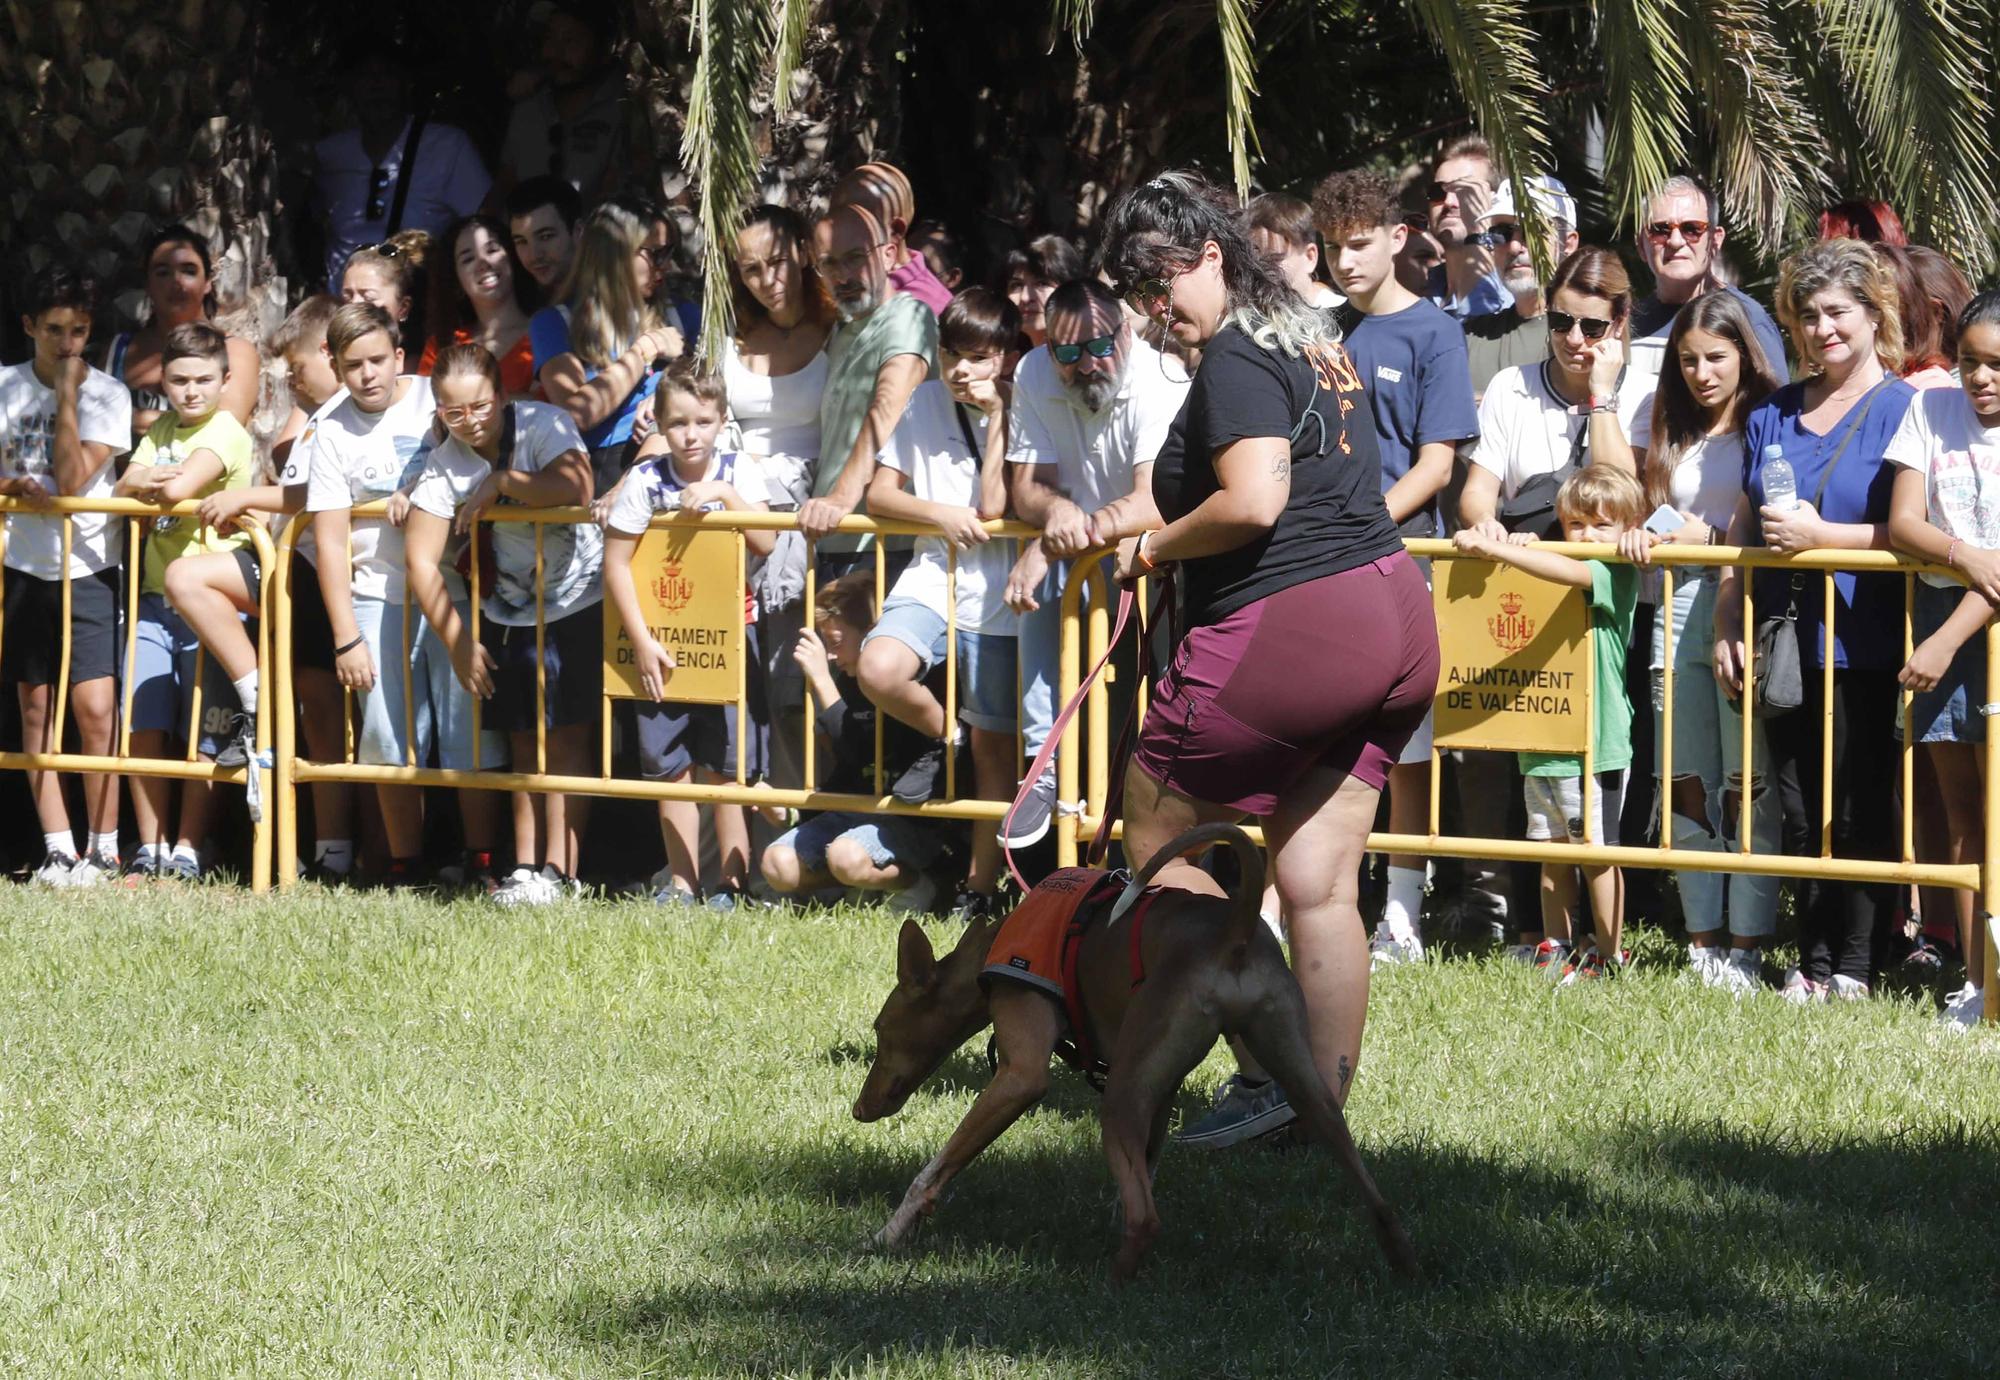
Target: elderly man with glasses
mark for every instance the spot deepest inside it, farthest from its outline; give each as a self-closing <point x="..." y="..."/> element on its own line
<point x="1681" y="241"/>
<point x="1091" y="409"/>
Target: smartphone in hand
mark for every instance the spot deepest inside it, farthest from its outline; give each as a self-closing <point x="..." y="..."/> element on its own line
<point x="1665" y="519"/>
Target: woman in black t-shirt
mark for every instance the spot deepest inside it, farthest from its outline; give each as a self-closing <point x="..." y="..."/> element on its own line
<point x="1311" y="651"/>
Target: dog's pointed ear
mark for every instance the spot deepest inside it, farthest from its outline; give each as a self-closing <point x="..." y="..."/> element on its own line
<point x="916" y="964"/>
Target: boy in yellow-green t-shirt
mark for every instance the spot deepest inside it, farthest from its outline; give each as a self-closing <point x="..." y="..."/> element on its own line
<point x="193" y="451"/>
<point x="1596" y="504"/>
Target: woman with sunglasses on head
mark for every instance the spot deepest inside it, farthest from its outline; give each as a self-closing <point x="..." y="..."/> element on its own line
<point x="1829" y="432"/>
<point x="180" y="288"/>
<point x="483" y="300"/>
<point x="1716" y="373"/>
<point x="1310" y="655"/>
<point x="1539" y="422"/>
<point x="390" y="275"/>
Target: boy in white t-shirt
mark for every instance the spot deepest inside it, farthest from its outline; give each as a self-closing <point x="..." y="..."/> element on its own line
<point x="530" y="454"/>
<point x="365" y="446"/>
<point x="679" y="468"/>
<point x="62" y="425"/>
<point x="195" y="449"/>
<point x="946" y="464"/>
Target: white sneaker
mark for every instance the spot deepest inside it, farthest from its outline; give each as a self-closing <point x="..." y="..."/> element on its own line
<point x="1522" y="953"/>
<point x="1741" y="972"/>
<point x="1705" y="961"/>
<point x="92" y="869"/>
<point x="1390" y="947"/>
<point x="56" y="869"/>
<point x="1844" y="988"/>
<point x="1964" y="1008"/>
<point x="524" y="886"/>
<point x="918" y="898"/>
<point x="1801" y="990"/>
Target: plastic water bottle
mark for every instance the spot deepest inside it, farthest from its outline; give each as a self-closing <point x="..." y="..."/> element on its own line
<point x="1781" y="491"/>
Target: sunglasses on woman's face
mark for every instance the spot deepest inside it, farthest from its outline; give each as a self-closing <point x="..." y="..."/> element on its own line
<point x="1142" y="295"/>
<point x="1099" y="348"/>
<point x="1562" y="323"/>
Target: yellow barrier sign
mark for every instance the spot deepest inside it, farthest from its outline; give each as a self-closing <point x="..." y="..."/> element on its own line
<point x="690" y="587"/>
<point x="1514" y="661"/>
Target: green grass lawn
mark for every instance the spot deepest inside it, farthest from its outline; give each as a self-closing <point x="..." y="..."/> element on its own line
<point x="361" y="1135"/>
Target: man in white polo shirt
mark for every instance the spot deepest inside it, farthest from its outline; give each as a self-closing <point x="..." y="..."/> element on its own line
<point x="1091" y="409"/>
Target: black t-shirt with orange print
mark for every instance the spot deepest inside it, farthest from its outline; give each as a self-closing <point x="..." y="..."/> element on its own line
<point x="1334" y="520"/>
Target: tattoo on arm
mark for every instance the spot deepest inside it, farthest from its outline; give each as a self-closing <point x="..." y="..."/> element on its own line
<point x="1281" y="466"/>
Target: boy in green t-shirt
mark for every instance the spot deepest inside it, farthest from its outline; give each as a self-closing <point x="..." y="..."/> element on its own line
<point x="192" y="451"/>
<point x="1595" y="504"/>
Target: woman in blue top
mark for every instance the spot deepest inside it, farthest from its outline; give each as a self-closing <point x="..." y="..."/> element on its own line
<point x="1839" y="302"/>
<point x="596" y="351"/>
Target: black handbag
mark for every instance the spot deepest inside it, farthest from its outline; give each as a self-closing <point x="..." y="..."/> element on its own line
<point x="1777" y="675"/>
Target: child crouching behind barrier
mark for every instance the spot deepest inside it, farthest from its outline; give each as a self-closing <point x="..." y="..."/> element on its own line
<point x="841" y="847"/>
<point x="529" y="454"/>
<point x="679" y="469"/>
<point x="195" y="450"/>
<point x="1595" y="504"/>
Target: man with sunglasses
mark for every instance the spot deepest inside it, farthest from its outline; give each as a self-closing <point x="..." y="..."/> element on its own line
<point x="1091" y="409"/>
<point x="1461" y="188"/>
<point x="1517" y="334"/>
<point x="392" y="171"/>
<point x="1681" y="241"/>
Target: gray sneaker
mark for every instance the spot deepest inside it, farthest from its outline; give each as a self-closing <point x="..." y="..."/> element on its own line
<point x="1242" y="1111"/>
<point x="1031" y="818"/>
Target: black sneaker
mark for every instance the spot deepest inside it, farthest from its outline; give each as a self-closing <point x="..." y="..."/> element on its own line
<point x="972" y="907"/>
<point x="242" y="745"/>
<point x="1031" y="817"/>
<point x="919" y="781"/>
<point x="403" y="876"/>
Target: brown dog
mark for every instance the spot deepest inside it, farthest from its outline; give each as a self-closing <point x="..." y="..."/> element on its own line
<point x="1210" y="968"/>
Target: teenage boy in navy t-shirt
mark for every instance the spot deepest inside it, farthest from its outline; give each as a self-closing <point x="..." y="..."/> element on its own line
<point x="1413" y="366"/>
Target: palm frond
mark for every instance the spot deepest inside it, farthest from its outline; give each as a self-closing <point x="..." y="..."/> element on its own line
<point x="1491" y="55"/>
<point x="1768" y="158"/>
<point x="1074" y="18"/>
<point x="1645" y="98"/>
<point x="794" y="17"/>
<point x="1239" y="54"/>
<point x="1920" y="87"/>
<point x="731" y="39"/>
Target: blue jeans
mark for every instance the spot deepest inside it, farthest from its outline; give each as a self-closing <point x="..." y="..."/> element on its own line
<point x="1708" y="747"/>
<point x="1040" y="652"/>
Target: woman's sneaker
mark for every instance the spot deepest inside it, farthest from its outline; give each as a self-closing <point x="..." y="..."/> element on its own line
<point x="524" y="886"/>
<point x="1801" y="990"/>
<point x="1964" y="1008"/>
<point x="1398" y="945"/>
<point x="1844" y="988"/>
<point x="1741" y="972"/>
<point x="1242" y="1111"/>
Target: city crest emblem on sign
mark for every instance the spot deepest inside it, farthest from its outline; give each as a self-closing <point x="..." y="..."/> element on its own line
<point x="672" y="587"/>
<point x="1512" y="630"/>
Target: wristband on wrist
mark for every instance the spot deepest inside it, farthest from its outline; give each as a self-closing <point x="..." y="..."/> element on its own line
<point x="359" y="638"/>
<point x="1142" y="555"/>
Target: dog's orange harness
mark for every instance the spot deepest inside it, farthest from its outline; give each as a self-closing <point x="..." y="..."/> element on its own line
<point x="1038" y="945"/>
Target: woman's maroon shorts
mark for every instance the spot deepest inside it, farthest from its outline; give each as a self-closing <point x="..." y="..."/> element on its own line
<point x="1334" y="673"/>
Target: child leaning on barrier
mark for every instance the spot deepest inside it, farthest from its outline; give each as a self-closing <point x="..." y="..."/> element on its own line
<point x="1945" y="507"/>
<point x="846" y="848"/>
<point x="946" y="464"/>
<point x="62" y="426"/>
<point x="678" y="469"/>
<point x="527" y="454"/>
<point x="194" y="450"/>
<point x="1596" y="504"/>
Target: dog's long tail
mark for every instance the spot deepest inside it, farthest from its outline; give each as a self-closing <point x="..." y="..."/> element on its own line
<point x="1244" y="919"/>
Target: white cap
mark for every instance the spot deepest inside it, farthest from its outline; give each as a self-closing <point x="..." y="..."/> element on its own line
<point x="1550" y="196"/>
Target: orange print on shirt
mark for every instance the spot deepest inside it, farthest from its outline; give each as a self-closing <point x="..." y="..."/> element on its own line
<point x="1335" y="368"/>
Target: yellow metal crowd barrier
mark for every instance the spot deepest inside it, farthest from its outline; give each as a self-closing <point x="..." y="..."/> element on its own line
<point x="191" y="767"/>
<point x="1982" y="878"/>
<point x="294" y="771"/>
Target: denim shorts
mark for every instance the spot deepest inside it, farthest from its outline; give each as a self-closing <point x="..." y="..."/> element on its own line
<point x="162" y="673"/>
<point x="988" y="679"/>
<point x="888" y="839"/>
<point x="917" y="626"/>
<point x="1949" y="712"/>
<point x="1555" y="807"/>
<point x="438" y="708"/>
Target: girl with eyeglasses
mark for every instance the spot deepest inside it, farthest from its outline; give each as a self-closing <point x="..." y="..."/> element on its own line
<point x="484" y="300"/>
<point x="1310" y="654"/>
<point x="1716" y="373"/>
<point x="501" y="453"/>
<point x="1832" y="429"/>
